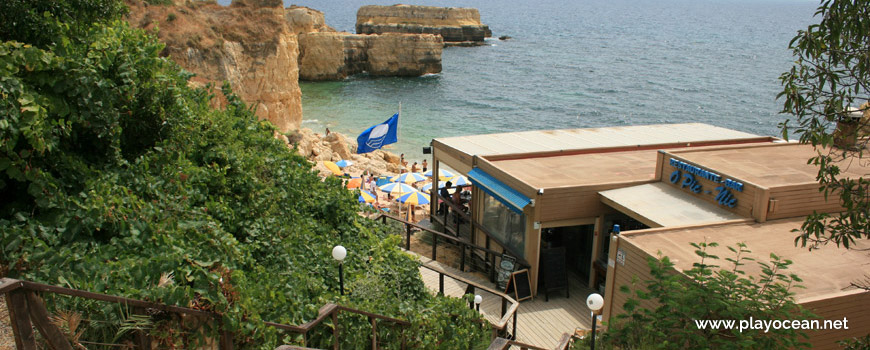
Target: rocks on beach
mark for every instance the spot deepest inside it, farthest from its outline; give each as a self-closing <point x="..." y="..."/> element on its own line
<point x="334" y="147"/>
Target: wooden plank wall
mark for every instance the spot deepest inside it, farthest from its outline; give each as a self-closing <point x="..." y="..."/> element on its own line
<point x="451" y="157"/>
<point x="746" y="199"/>
<point x="636" y="269"/>
<point x="801" y="200"/>
<point x="854" y="307"/>
<point x="578" y="202"/>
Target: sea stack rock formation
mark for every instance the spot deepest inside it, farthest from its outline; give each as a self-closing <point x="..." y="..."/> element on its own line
<point x="452" y="24"/>
<point x="335" y="56"/>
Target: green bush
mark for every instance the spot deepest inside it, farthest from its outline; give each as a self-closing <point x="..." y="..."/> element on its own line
<point x="709" y="293"/>
<point x="118" y="178"/>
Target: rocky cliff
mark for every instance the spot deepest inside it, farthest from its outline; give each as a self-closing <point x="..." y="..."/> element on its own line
<point x="453" y="24"/>
<point x="251" y="44"/>
<point x="334" y="56"/>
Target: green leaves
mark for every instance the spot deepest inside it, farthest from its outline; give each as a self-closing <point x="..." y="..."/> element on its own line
<point x="831" y="75"/>
<point x="116" y="174"/>
<point x="706" y="292"/>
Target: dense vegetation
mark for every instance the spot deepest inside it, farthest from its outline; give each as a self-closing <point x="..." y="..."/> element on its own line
<point x="707" y="291"/>
<point x="116" y="177"/>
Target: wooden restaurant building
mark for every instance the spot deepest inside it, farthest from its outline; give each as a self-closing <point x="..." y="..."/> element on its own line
<point x="603" y="200"/>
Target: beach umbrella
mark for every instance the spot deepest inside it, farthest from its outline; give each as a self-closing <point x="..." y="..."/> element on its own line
<point x="408" y="178"/>
<point x="459" y="180"/>
<point x="441" y="184"/>
<point x="333" y="168"/>
<point x="344" y="163"/>
<point x="366" y="197"/>
<point x="397" y="188"/>
<point x="428" y="186"/>
<point x="354" y="183"/>
<point x="414" y="198"/>
<point x="442" y="174"/>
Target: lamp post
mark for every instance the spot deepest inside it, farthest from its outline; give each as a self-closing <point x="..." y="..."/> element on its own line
<point x="477" y="300"/>
<point x="595" y="301"/>
<point x="339" y="253"/>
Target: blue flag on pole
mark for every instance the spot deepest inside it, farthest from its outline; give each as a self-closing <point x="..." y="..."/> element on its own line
<point x="379" y="135"/>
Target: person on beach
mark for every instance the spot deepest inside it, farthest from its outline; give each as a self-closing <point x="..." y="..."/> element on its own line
<point x="327" y="131"/>
<point x="425" y="165"/>
<point x="373" y="188"/>
<point x="414" y="167"/>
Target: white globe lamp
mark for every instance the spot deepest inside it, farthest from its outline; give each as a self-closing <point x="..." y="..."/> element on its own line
<point x="339" y="253"/>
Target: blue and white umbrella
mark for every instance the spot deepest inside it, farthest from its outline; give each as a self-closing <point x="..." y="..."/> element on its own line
<point x="442" y="174"/>
<point x="397" y="187"/>
<point x="408" y="178"/>
<point x="414" y="198"/>
<point x="344" y="163"/>
<point x="428" y="186"/>
<point x="459" y="180"/>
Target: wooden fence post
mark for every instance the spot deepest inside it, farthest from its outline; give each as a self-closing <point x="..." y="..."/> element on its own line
<point x="335" y="329"/>
<point x="462" y="259"/>
<point x="434" y="247"/>
<point x="19" y="316"/>
<point x="374" y="332"/>
<point x="39" y="315"/>
<point x="143" y="339"/>
<point x="408" y="237"/>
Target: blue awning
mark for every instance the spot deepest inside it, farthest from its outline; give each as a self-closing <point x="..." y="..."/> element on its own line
<point x="512" y="198"/>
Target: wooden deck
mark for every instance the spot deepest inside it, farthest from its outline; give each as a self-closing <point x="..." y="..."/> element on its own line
<point x="539" y="323"/>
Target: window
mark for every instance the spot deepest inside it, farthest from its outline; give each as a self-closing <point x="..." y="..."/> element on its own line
<point x="504" y="224"/>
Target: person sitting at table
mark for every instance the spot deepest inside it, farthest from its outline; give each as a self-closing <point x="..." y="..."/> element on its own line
<point x="444" y="195"/>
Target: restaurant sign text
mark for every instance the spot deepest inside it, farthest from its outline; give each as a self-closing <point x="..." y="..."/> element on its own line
<point x="687" y="176"/>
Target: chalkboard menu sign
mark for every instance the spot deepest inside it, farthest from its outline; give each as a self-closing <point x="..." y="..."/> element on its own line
<point x="553" y="269"/>
<point x="519" y="285"/>
<point x="505" y="269"/>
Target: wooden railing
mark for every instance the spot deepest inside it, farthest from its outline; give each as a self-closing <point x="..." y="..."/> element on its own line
<point x="464" y="245"/>
<point x="509" y="305"/>
<point x="503" y="344"/>
<point x="25" y="306"/>
<point x="331" y="311"/>
<point x="464" y="217"/>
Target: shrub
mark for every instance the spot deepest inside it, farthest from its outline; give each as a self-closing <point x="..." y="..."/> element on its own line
<point x="118" y="178"/>
<point x="708" y="292"/>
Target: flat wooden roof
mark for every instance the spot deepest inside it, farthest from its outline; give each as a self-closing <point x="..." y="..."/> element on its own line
<point x="769" y="165"/>
<point x="661" y="205"/>
<point x="826" y="271"/>
<point x="582" y="169"/>
<point x="575" y="139"/>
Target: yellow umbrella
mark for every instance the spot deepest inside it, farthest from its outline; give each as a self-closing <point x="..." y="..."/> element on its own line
<point x="414" y="198"/>
<point x="366" y="197"/>
<point x="333" y="168"/>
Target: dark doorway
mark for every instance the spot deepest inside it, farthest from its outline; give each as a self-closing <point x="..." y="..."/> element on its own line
<point x="577" y="241"/>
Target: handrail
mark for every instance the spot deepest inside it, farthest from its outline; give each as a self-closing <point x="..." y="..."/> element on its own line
<point x="502" y="323"/>
<point x="439" y="234"/>
<point x="458" y="210"/>
<point x="503" y="344"/>
<point x="384" y="216"/>
<point x="21" y="297"/>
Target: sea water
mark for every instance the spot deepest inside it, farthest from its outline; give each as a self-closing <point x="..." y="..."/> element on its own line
<point x="577" y="64"/>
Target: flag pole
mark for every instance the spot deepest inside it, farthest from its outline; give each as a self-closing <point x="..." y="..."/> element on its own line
<point x="399" y="129"/>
